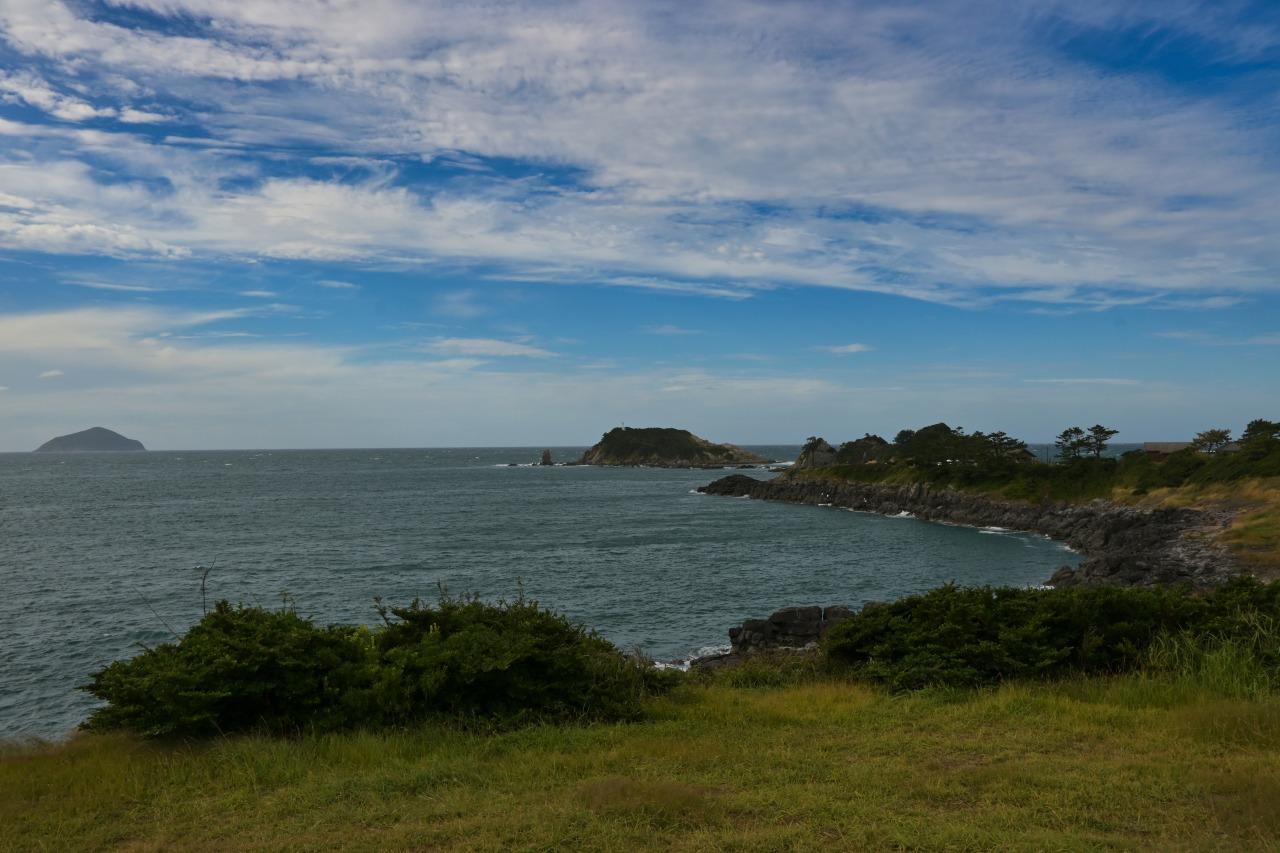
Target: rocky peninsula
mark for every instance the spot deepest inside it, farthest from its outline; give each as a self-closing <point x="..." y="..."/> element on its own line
<point x="664" y="447"/>
<point x="1122" y="545"/>
<point x="93" y="440"/>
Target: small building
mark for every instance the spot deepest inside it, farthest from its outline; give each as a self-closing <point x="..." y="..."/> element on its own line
<point x="1162" y="449"/>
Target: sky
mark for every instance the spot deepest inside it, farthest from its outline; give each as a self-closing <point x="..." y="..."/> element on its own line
<point x="375" y="223"/>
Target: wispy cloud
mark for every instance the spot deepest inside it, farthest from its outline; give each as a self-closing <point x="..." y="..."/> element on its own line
<point x="846" y="349"/>
<point x="669" y="330"/>
<point x="888" y="164"/>
<point x="123" y="288"/>
<point x="335" y="284"/>
<point x="487" y="347"/>
<point x="1103" y="380"/>
<point x="51" y="374"/>
<point x="1220" y="340"/>
<point x="260" y="294"/>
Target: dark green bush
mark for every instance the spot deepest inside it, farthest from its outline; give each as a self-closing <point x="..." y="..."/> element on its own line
<point x="965" y="637"/>
<point x="248" y="668"/>
<point x="466" y="658"/>
<point x="238" y="668"/>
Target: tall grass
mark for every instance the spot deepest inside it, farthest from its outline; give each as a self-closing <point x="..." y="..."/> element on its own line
<point x="1240" y="666"/>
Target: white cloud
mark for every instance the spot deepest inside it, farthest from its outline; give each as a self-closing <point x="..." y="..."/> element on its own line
<point x="847" y="349"/>
<point x="29" y="89"/>
<point x="964" y="164"/>
<point x="260" y="294"/>
<point x="51" y="374"/>
<point x="486" y="347"/>
<point x="333" y="284"/>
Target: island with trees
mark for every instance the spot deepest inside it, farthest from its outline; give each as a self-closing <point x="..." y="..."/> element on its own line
<point x="664" y="447"/>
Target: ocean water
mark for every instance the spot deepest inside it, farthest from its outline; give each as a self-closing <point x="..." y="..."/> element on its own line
<point x="99" y="552"/>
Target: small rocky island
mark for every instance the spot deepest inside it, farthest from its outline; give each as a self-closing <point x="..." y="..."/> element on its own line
<point x="664" y="447"/>
<point x="93" y="440"/>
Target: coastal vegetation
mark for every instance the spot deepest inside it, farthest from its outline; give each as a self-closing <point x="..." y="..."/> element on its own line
<point x="995" y="462"/>
<point x="1241" y="478"/>
<point x="664" y="447"/>
<point x="982" y="636"/>
<point x="242" y="668"/>
<point x="1181" y="752"/>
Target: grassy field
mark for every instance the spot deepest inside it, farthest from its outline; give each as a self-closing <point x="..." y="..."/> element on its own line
<point x="1128" y="763"/>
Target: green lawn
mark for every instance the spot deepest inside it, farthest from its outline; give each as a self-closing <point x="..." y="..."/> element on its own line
<point x="1129" y="763"/>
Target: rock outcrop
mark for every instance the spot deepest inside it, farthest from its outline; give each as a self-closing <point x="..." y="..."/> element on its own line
<point x="791" y="629"/>
<point x="546" y="458"/>
<point x="1122" y="545"/>
<point x="664" y="447"/>
<point x="817" y="453"/>
<point x="93" y="440"/>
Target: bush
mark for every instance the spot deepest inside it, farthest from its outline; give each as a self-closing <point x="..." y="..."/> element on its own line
<point x="978" y="636"/>
<point x="248" y="668"/>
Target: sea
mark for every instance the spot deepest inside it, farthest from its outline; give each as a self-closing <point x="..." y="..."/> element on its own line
<point x="102" y="554"/>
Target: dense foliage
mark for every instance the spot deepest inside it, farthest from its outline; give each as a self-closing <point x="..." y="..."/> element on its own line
<point x="658" y="445"/>
<point x="967" y="637"/>
<point x="244" y="668"/>
<point x="948" y="456"/>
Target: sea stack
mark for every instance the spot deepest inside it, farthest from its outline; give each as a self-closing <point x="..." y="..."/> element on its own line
<point x="546" y="458"/>
<point x="93" y="440"/>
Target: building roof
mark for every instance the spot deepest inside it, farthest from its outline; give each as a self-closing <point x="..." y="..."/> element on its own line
<point x="1165" y="446"/>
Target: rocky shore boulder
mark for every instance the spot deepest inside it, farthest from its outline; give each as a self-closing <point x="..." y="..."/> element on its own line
<point x="789" y="630"/>
<point x="790" y="627"/>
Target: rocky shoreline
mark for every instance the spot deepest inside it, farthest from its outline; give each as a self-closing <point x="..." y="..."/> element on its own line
<point x="1122" y="545"/>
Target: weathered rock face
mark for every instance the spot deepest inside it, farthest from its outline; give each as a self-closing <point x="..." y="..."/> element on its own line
<point x="1122" y="545"/>
<point x="664" y="447"/>
<point x="788" y="628"/>
<point x="816" y="454"/>
<point x="93" y="440"/>
<point x="793" y="630"/>
<point x="546" y="458"/>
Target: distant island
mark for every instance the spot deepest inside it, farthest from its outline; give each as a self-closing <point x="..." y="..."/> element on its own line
<point x="664" y="447"/>
<point x="93" y="440"/>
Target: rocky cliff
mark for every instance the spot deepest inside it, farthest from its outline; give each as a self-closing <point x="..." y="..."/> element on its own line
<point x="95" y="439"/>
<point x="1121" y="545"/>
<point x="664" y="447"/>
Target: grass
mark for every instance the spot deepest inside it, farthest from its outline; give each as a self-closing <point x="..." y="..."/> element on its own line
<point x="1254" y="534"/>
<point x="1176" y="761"/>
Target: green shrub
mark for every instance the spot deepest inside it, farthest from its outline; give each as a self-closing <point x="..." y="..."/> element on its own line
<point x="465" y="658"/>
<point x="248" y="668"/>
<point x="966" y="637"/>
<point x="236" y="669"/>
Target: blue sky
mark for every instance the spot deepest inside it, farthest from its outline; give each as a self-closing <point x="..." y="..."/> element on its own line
<point x="240" y="223"/>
